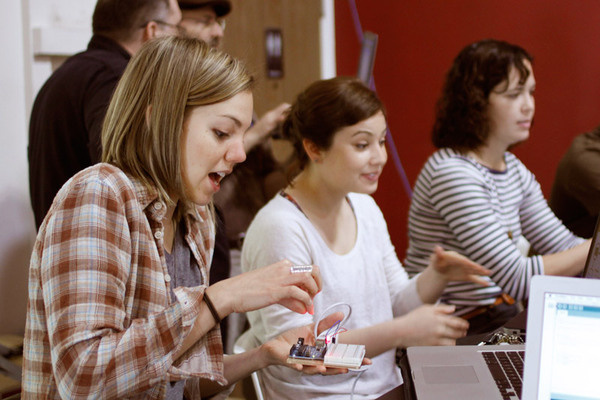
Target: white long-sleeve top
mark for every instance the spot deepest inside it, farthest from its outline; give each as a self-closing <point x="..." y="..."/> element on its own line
<point x="369" y="278"/>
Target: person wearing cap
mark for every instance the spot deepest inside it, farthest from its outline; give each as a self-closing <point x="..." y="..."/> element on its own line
<point x="203" y="19"/>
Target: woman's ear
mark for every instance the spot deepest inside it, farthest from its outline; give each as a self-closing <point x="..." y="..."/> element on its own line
<point x="312" y="150"/>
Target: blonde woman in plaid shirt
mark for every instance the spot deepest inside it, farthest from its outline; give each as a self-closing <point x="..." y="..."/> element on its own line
<point x="119" y="302"/>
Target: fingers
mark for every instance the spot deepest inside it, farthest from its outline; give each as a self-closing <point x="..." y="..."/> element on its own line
<point x="334" y="371"/>
<point x="309" y="281"/>
<point x="295" y="306"/>
<point x="438" y="251"/>
<point x="322" y="370"/>
<point x="455" y="266"/>
<point x="282" y="108"/>
<point x="453" y="328"/>
<point x="452" y="257"/>
<point x="276" y="115"/>
<point x="458" y="325"/>
<point x="295" y="299"/>
<point x="329" y="321"/>
<point x="305" y="282"/>
<point x="277" y="283"/>
<point x="447" y="342"/>
<point x="316" y="274"/>
<point x="478" y="280"/>
<point x="444" y="308"/>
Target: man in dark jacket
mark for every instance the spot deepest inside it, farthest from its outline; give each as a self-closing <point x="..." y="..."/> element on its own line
<point x="67" y="115"/>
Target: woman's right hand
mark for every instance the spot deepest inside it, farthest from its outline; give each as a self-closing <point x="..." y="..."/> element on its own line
<point x="431" y="325"/>
<point x="262" y="287"/>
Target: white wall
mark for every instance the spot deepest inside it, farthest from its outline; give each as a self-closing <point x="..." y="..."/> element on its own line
<point x="36" y="35"/>
<point x="21" y="75"/>
<point x="327" y="26"/>
<point x="16" y="218"/>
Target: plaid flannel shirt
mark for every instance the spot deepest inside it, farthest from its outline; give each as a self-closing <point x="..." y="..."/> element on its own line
<point x="100" y="321"/>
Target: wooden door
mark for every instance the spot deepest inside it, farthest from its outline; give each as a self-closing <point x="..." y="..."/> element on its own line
<point x="245" y="37"/>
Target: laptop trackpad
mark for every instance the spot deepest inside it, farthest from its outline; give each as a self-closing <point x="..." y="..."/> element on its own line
<point x="450" y="374"/>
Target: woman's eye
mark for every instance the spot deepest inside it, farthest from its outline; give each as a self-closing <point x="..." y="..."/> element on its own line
<point x="382" y="142"/>
<point x="220" y="134"/>
<point x="361" y="146"/>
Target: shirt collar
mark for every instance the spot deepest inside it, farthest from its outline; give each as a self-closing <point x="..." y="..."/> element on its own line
<point x="148" y="199"/>
<point x="99" y="42"/>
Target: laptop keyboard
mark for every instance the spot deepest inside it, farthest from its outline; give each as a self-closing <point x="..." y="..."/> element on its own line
<point x="507" y="369"/>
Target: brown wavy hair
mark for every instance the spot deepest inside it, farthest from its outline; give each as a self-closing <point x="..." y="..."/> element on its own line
<point x="461" y="112"/>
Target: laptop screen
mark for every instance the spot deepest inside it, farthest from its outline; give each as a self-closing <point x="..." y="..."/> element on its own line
<point x="569" y="353"/>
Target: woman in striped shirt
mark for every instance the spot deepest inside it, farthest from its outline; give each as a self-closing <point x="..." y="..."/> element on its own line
<point x="475" y="197"/>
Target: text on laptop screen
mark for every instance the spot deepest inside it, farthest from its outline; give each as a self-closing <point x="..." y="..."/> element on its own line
<point x="570" y="354"/>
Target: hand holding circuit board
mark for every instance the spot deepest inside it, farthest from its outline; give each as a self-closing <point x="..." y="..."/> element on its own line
<point x="336" y="355"/>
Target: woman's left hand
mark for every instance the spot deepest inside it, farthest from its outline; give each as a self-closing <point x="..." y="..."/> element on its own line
<point x="278" y="349"/>
<point x="456" y="267"/>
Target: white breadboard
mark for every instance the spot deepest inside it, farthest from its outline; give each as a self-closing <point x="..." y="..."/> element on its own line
<point x="344" y="355"/>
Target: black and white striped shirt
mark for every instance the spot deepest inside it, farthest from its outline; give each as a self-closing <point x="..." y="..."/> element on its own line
<point x="482" y="214"/>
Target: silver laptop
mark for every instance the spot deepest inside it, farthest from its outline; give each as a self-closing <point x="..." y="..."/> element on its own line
<point x="562" y="352"/>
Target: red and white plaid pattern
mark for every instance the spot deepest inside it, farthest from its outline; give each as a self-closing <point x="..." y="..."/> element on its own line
<point x="100" y="321"/>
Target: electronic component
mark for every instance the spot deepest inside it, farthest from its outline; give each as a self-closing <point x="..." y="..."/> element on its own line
<point x="343" y="355"/>
<point x="301" y="353"/>
<point x="339" y="355"/>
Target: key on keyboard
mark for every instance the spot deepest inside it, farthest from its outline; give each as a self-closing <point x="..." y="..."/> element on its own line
<point x="507" y="369"/>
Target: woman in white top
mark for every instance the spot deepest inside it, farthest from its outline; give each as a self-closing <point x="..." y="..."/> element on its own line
<point x="327" y="217"/>
<point x="475" y="197"/>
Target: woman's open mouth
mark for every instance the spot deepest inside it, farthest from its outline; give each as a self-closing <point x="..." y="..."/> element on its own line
<point x="215" y="178"/>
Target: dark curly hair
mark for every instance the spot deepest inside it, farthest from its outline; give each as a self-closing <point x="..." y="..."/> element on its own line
<point x="461" y="112"/>
<point x="322" y="109"/>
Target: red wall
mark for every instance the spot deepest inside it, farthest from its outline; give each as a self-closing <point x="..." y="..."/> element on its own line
<point x="418" y="41"/>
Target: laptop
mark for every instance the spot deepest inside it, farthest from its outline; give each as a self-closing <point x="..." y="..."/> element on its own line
<point x="562" y="352"/>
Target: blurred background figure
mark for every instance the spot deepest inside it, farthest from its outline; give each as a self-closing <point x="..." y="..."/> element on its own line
<point x="203" y="19"/>
<point x="575" y="197"/>
<point x="67" y="115"/>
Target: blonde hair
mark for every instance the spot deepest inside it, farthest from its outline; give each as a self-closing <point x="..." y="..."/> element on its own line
<point x="144" y="122"/>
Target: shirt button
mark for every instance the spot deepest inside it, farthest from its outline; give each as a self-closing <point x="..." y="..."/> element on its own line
<point x="158" y="234"/>
<point x="157" y="205"/>
<point x="167" y="278"/>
